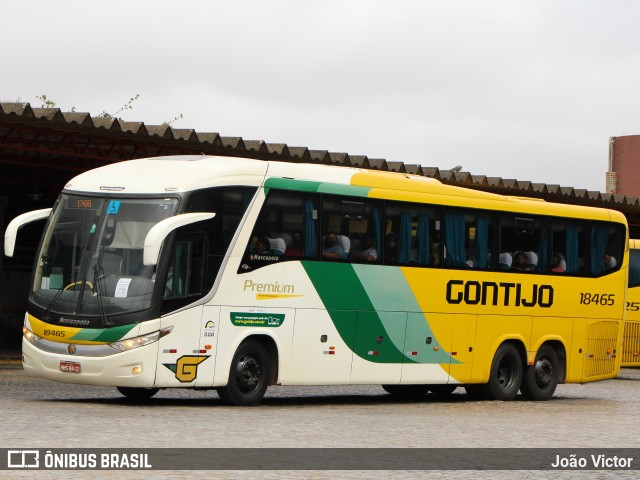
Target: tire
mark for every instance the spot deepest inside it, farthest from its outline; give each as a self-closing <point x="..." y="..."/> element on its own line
<point x="406" y="391"/>
<point x="505" y="377"/>
<point x="442" y="391"/>
<point x="541" y="379"/>
<point x="248" y="375"/>
<point x="138" y="394"/>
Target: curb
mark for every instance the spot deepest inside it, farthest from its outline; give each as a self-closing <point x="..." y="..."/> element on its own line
<point x="11" y="359"/>
<point x="10" y="362"/>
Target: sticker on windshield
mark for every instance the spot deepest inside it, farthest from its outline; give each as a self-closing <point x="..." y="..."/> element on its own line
<point x="122" y="287"/>
<point x="114" y="206"/>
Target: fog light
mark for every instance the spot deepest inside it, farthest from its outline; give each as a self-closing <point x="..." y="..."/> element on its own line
<point x="137" y="370"/>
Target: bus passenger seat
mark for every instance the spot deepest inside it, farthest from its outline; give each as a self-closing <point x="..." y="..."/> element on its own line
<point x="277" y="245"/>
<point x="288" y="240"/>
<point x="532" y="259"/>
<point x="344" y="242"/>
<point x="504" y="261"/>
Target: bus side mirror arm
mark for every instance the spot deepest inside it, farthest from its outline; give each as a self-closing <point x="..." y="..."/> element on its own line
<point x="11" y="232"/>
<point x="160" y="231"/>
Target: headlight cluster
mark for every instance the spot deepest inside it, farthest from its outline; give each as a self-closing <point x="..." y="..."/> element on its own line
<point x="30" y="336"/>
<point x="141" y="341"/>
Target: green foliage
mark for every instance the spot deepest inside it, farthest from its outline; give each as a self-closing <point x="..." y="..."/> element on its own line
<point x="48" y="103"/>
<point x="127" y="106"/>
<point x="177" y="117"/>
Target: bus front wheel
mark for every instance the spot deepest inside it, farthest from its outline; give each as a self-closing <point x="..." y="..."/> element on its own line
<point x="137" y="394"/>
<point x="541" y="379"/>
<point x="248" y="376"/>
<point x="505" y="377"/>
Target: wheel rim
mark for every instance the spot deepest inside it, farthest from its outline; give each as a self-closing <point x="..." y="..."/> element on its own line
<point x="248" y="373"/>
<point x="505" y="374"/>
<point x="543" y="372"/>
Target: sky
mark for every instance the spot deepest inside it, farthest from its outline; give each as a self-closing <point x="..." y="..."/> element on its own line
<point x="530" y="90"/>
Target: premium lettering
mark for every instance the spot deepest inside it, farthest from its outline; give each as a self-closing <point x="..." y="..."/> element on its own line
<point x="499" y="294"/>
<point x="276" y="287"/>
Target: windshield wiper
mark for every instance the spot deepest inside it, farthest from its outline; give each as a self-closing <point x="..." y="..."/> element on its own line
<point x="58" y="294"/>
<point x="100" y="287"/>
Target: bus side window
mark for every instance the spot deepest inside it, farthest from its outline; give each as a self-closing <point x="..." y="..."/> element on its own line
<point x="570" y="237"/>
<point x="286" y="229"/>
<point x="468" y="239"/>
<point x="412" y="234"/>
<point x="607" y="247"/>
<point x="186" y="273"/>
<point x="351" y="229"/>
<point x="524" y="243"/>
<point x="634" y="268"/>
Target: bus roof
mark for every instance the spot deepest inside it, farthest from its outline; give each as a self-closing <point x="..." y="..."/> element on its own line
<point x="192" y="172"/>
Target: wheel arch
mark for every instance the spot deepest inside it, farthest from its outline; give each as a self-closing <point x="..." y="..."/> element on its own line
<point x="271" y="348"/>
<point x="519" y="344"/>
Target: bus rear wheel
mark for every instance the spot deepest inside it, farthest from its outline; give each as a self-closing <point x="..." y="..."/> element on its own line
<point x="541" y="379"/>
<point x="138" y="394"/>
<point x="406" y="391"/>
<point x="248" y="376"/>
<point x="505" y="377"/>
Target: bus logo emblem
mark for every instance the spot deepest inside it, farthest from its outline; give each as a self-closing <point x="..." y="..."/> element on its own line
<point x="71" y="349"/>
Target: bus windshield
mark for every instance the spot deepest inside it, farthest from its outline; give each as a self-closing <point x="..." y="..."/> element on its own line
<point x="90" y="262"/>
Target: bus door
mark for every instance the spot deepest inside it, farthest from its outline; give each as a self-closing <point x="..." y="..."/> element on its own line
<point x="377" y="347"/>
<point x="186" y="356"/>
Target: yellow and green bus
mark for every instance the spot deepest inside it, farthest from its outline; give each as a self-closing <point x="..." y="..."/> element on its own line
<point x="235" y="274"/>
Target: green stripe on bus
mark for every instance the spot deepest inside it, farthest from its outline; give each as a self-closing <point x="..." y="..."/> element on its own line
<point x="389" y="291"/>
<point x="379" y="340"/>
<point x="106" y="335"/>
<point x="320" y="187"/>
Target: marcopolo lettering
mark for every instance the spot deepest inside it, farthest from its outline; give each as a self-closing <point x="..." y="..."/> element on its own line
<point x="499" y="294"/>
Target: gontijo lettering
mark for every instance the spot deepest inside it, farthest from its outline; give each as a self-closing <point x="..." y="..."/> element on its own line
<point x="503" y="293"/>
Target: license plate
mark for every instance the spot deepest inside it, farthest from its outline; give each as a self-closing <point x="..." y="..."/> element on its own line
<point x="73" y="367"/>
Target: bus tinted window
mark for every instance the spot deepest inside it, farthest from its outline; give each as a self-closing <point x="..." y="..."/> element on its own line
<point x="523" y="243"/>
<point x="569" y="242"/>
<point x="468" y="239"/>
<point x="351" y="229"/>
<point x="412" y="234"/>
<point x="286" y="229"/>
<point x="607" y="247"/>
<point x="634" y="268"/>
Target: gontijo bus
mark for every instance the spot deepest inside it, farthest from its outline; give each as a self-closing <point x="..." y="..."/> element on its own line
<point x="235" y="274"/>
<point x="631" y="337"/>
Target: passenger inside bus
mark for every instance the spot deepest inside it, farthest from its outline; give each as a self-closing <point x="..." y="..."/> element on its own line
<point x="332" y="250"/>
<point x="261" y="245"/>
<point x="391" y="248"/>
<point x="367" y="251"/>
<point x="609" y="261"/>
<point x="520" y="263"/>
<point x="295" y="249"/>
<point x="558" y="263"/>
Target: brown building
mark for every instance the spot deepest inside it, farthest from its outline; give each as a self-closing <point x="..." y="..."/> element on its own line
<point x="623" y="176"/>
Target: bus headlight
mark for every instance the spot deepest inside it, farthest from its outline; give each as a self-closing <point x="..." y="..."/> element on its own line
<point x="30" y="336"/>
<point x="141" y="341"/>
